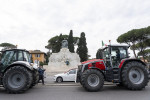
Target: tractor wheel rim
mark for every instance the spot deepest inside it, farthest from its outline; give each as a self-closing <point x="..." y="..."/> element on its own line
<point x="93" y="80"/>
<point x="16" y="80"/>
<point x="136" y="75"/>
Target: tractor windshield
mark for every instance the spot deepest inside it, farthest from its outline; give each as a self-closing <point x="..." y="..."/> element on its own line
<point x="8" y="57"/>
<point x="119" y="52"/>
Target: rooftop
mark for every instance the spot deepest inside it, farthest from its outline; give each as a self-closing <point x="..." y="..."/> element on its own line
<point x="36" y="51"/>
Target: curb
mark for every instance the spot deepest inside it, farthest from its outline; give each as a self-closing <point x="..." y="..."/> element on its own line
<point x="66" y="84"/>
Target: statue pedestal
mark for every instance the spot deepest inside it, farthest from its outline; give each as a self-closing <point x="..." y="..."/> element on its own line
<point x="63" y="60"/>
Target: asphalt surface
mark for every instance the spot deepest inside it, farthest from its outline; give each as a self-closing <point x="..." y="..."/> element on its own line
<point x="76" y="92"/>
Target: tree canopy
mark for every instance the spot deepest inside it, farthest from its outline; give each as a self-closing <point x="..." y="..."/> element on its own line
<point x="145" y="54"/>
<point x="138" y="39"/>
<point x="54" y="43"/>
<point x="7" y="46"/>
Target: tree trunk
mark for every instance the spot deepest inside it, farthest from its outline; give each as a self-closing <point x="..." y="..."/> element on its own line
<point x="143" y="55"/>
<point x="134" y="53"/>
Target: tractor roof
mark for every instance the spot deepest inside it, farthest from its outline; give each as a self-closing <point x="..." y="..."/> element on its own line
<point x="117" y="45"/>
<point x="92" y="60"/>
<point x="14" y="50"/>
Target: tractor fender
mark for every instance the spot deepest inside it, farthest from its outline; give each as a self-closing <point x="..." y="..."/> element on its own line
<point x="125" y="61"/>
<point x="20" y="63"/>
<point x="86" y="66"/>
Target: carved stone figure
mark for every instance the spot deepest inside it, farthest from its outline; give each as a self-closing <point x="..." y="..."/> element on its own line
<point x="64" y="44"/>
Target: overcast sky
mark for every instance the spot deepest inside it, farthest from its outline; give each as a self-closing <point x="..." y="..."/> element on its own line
<point x="31" y="23"/>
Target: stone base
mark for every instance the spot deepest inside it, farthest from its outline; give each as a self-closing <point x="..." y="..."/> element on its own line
<point x="54" y="69"/>
<point x="58" y="61"/>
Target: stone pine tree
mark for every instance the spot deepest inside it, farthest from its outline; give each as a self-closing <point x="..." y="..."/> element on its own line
<point x="82" y="49"/>
<point x="7" y="46"/>
<point x="137" y="39"/>
<point x="71" y="42"/>
<point x="54" y="43"/>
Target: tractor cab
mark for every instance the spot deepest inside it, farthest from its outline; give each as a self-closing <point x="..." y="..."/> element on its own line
<point x="12" y="55"/>
<point x="113" y="54"/>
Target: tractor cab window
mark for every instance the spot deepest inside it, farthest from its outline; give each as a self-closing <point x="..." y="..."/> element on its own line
<point x="106" y="53"/>
<point x="14" y="57"/>
<point x="123" y="52"/>
<point x="26" y="56"/>
<point x="31" y="61"/>
<point x="117" y="54"/>
<point x="8" y="57"/>
<point x="20" y="56"/>
<point x="107" y="57"/>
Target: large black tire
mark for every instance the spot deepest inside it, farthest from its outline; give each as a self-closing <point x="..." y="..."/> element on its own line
<point x="134" y="76"/>
<point x="35" y="78"/>
<point x="81" y="82"/>
<point x="92" y="80"/>
<point x="17" y="79"/>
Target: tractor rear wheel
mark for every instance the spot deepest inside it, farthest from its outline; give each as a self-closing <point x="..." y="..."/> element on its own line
<point x="17" y="79"/>
<point x="92" y="80"/>
<point x="134" y="76"/>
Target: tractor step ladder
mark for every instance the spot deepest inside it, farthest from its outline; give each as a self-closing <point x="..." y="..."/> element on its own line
<point x="116" y="75"/>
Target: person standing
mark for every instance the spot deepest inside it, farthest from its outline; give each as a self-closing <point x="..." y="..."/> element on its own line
<point x="41" y="74"/>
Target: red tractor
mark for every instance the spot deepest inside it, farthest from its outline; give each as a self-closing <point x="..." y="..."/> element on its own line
<point x="113" y="65"/>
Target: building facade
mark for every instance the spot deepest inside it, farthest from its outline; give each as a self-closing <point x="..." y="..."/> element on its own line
<point x="38" y="56"/>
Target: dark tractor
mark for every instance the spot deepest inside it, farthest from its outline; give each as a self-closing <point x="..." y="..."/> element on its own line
<point x="113" y="65"/>
<point x="16" y="71"/>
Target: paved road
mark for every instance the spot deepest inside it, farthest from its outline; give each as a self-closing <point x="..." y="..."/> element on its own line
<point x="109" y="92"/>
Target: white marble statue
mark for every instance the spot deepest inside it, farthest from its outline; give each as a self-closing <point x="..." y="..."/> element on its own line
<point x="64" y="59"/>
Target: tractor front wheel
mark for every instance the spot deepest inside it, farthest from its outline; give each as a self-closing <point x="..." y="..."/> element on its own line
<point x="92" y="80"/>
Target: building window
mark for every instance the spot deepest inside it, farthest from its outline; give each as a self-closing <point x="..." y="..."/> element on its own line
<point x="37" y="55"/>
<point x="36" y="62"/>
